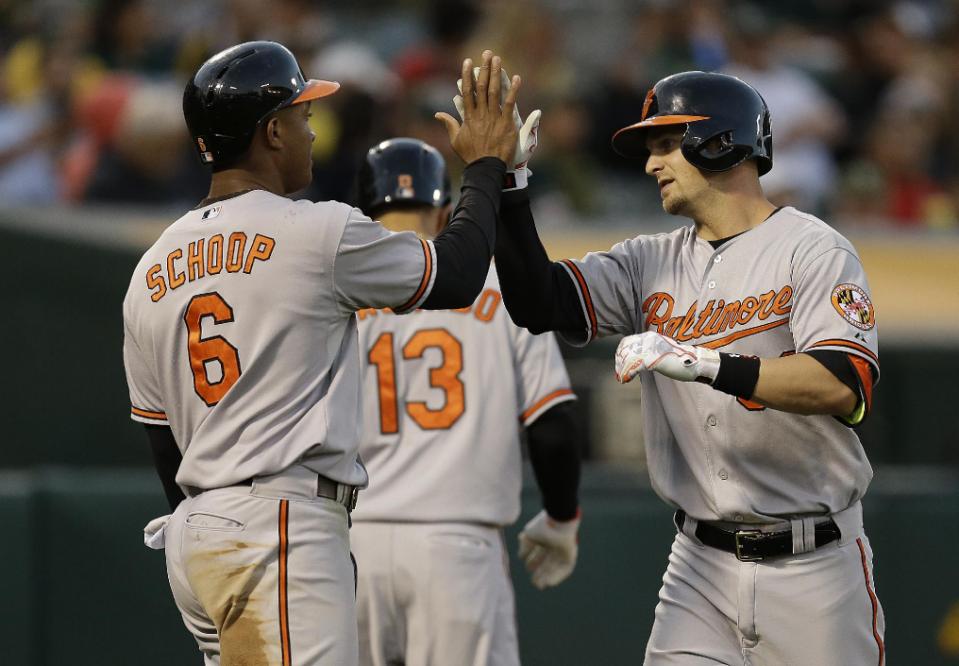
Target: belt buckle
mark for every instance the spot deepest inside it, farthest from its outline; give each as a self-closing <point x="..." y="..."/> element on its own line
<point x="744" y="536"/>
<point x="346" y="495"/>
<point x="349" y="500"/>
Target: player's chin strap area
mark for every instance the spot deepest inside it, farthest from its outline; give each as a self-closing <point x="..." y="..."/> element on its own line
<point x="755" y="544"/>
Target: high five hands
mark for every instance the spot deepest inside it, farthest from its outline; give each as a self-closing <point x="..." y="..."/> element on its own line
<point x="488" y="128"/>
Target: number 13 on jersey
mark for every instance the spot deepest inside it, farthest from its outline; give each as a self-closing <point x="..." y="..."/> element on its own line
<point x="444" y="377"/>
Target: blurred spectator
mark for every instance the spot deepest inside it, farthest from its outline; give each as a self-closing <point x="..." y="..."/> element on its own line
<point x="530" y="38"/>
<point x="901" y="170"/>
<point x="563" y="170"/>
<point x="428" y="70"/>
<point x="149" y="160"/>
<point x="38" y="82"/>
<point x="27" y="167"/>
<point x="882" y="135"/>
<point x="659" y="47"/>
<point x="127" y="35"/>
<point x="891" y="181"/>
<point x="450" y="25"/>
<point x="806" y="122"/>
<point x="348" y="123"/>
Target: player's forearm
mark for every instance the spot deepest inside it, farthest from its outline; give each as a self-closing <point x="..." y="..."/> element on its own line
<point x="537" y="292"/>
<point x="802" y="385"/>
<point x="166" y="460"/>
<point x="554" y="456"/>
<point x="464" y="249"/>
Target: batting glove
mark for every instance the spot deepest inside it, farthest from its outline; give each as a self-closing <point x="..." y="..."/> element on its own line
<point x="526" y="141"/>
<point x="154" y="533"/>
<point x="652" y="351"/>
<point x="548" y="548"/>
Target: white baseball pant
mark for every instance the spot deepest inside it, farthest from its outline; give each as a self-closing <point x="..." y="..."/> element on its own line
<point x="818" y="607"/>
<point x="262" y="574"/>
<point x="434" y="594"/>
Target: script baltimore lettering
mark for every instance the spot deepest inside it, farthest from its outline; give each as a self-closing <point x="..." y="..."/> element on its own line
<point x="715" y="317"/>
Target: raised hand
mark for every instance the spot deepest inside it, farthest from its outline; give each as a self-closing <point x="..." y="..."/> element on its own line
<point x="528" y="130"/>
<point x="488" y="128"/>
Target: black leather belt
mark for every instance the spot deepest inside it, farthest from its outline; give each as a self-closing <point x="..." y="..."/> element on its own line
<point x="754" y="545"/>
<point x="340" y="493"/>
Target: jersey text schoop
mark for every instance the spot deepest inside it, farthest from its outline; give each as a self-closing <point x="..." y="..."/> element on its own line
<point x="208" y="256"/>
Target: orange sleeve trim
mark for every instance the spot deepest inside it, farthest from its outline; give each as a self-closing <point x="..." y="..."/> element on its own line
<point x="543" y="401"/>
<point x="285" y="646"/>
<point x="838" y="342"/>
<point x="136" y="411"/>
<point x="427" y="274"/>
<point x="864" y="374"/>
<point x="722" y="342"/>
<point x="875" y="604"/>
<point x="587" y="299"/>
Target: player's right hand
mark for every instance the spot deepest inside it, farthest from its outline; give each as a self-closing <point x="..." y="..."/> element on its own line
<point x="488" y="128"/>
<point x="654" y="352"/>
<point x="549" y="549"/>
<point x="528" y="131"/>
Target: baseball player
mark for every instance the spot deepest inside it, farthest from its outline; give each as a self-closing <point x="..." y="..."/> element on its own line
<point x="241" y="353"/>
<point x="753" y="334"/>
<point x="445" y="396"/>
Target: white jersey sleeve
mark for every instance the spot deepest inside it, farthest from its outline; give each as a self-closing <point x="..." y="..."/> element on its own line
<point x="609" y="285"/>
<point x="146" y="403"/>
<point x="378" y="268"/>
<point x="832" y="306"/>
<point x="542" y="381"/>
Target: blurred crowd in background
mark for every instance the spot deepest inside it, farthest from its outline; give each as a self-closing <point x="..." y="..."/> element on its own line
<point x="863" y="93"/>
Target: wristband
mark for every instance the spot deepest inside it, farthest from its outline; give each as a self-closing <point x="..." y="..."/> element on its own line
<point x="737" y="375"/>
<point x="515" y="180"/>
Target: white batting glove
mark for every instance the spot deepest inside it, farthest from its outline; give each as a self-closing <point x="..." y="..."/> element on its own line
<point x="528" y="136"/>
<point x="154" y="533"/>
<point x="652" y="351"/>
<point x="548" y="548"/>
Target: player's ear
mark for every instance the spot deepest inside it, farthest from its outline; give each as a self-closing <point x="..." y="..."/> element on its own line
<point x="273" y="132"/>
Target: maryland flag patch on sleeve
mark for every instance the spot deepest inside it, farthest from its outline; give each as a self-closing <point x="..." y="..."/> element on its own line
<point x="853" y="304"/>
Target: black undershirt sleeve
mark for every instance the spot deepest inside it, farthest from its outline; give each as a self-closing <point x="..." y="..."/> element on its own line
<point x="538" y="293"/>
<point x="837" y="363"/>
<point x="464" y="249"/>
<point x="554" y="455"/>
<point x="166" y="460"/>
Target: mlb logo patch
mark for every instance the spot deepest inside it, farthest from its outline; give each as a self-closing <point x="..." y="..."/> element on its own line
<point x="210" y="213"/>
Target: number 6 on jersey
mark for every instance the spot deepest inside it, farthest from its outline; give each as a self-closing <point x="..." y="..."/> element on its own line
<point x="215" y="348"/>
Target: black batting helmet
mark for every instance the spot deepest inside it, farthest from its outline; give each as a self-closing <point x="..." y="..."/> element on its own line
<point x="711" y="106"/>
<point x="235" y="90"/>
<point x="402" y="172"/>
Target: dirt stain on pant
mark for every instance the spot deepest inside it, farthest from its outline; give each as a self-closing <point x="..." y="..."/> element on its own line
<point x="229" y="590"/>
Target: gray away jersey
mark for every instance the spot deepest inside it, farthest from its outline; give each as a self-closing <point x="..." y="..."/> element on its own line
<point x="789" y="285"/>
<point x="240" y="333"/>
<point x="445" y="394"/>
